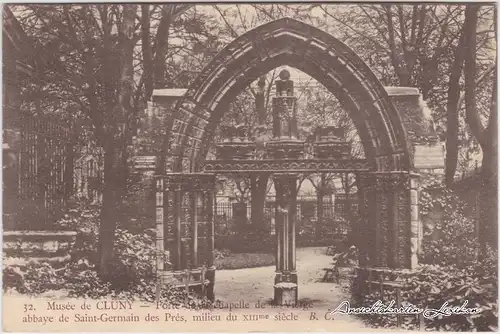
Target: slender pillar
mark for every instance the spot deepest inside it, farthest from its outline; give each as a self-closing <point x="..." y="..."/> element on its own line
<point x="211" y="245"/>
<point x="285" y="145"/>
<point x="159" y="237"/>
<point x="160" y="248"/>
<point x="390" y="219"/>
<point x="415" y="235"/>
<point x="194" y="226"/>
<point x="178" y="232"/>
<point x="362" y="229"/>
<point x="285" y="288"/>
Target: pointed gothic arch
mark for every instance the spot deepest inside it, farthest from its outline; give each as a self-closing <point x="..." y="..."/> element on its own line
<point x="297" y="44"/>
<point x="388" y="231"/>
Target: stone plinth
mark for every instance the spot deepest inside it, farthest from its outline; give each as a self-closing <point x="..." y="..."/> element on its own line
<point x="21" y="247"/>
<point x="235" y="150"/>
<point x="332" y="149"/>
<point x="285" y="149"/>
<point x="285" y="293"/>
<point x="330" y="143"/>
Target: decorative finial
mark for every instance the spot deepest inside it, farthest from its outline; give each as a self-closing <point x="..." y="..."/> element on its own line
<point x="284" y="75"/>
<point x="262" y="81"/>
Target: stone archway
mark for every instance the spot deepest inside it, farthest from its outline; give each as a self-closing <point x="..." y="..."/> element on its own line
<point x="288" y="42"/>
<point x="388" y="229"/>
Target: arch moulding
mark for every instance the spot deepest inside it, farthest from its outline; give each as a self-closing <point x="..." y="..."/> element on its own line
<point x="287" y="42"/>
<point x="389" y="224"/>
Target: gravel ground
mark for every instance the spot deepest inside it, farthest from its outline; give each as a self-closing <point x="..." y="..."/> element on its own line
<point x="255" y="285"/>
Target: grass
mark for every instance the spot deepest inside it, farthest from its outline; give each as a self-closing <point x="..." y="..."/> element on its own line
<point x="245" y="260"/>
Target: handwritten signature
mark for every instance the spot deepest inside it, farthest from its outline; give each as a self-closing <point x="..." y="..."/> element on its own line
<point x="380" y="308"/>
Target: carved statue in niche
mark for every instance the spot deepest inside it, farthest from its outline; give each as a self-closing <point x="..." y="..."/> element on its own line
<point x="285" y="107"/>
<point x="285" y="118"/>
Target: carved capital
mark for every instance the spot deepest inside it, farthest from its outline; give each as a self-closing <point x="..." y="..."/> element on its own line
<point x="189" y="182"/>
<point x="392" y="181"/>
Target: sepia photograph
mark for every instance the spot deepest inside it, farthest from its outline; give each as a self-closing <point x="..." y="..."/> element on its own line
<point x="241" y="167"/>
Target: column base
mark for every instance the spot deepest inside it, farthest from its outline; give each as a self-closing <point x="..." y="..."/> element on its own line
<point x="285" y="277"/>
<point x="285" y="293"/>
<point x="285" y="288"/>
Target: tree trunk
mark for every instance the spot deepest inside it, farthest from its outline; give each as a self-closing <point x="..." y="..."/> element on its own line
<point x="147" y="52"/>
<point x="489" y="172"/>
<point x="70" y="162"/>
<point x="162" y="36"/>
<point x="452" y="113"/>
<point x="486" y="137"/>
<point x="114" y="190"/>
<point x="258" y="198"/>
<point x="488" y="226"/>
<point x="115" y="148"/>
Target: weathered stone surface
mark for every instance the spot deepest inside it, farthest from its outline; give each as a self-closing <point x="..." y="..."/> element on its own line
<point x="20" y="247"/>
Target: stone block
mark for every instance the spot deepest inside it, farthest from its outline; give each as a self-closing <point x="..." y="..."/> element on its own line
<point x="285" y="293"/>
<point x="414" y="197"/>
<point x="38" y="245"/>
<point x="414" y="213"/>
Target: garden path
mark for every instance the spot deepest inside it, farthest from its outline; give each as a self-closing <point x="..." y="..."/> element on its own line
<point x="256" y="285"/>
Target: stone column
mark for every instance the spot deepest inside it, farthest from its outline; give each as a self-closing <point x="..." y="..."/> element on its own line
<point x="194" y="227"/>
<point x="160" y="264"/>
<point x="416" y="224"/>
<point x="211" y="244"/>
<point x="389" y="219"/>
<point x="178" y="196"/>
<point x="285" y="282"/>
<point x="365" y="231"/>
<point x="160" y="249"/>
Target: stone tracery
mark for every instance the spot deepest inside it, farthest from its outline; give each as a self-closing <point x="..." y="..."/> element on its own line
<point x="388" y="188"/>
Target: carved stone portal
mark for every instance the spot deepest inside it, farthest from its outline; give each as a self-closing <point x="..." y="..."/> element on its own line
<point x="388" y="230"/>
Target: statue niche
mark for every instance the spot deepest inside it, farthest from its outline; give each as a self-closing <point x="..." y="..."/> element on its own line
<point x="285" y="143"/>
<point x="284" y="109"/>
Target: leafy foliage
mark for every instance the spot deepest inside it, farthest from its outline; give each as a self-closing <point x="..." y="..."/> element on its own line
<point x="450" y="270"/>
<point x="457" y="243"/>
<point x="432" y="286"/>
<point x="245" y="260"/>
<point x="247" y="238"/>
<point x="132" y="267"/>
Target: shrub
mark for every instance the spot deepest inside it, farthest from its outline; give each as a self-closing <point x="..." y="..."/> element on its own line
<point x="33" y="278"/>
<point x="245" y="260"/>
<point x="133" y="265"/>
<point x="332" y="228"/>
<point x="449" y="273"/>
<point x="221" y="253"/>
<point x="134" y="260"/>
<point x="431" y="286"/>
<point x="247" y="238"/>
<point x="458" y="245"/>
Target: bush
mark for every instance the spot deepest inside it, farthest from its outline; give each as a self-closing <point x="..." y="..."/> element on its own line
<point x="247" y="238"/>
<point x="221" y="253"/>
<point x="332" y="228"/>
<point x="458" y="245"/>
<point x="245" y="260"/>
<point x="133" y="266"/>
<point x="431" y="286"/>
<point x="449" y="273"/>
<point x="33" y="278"/>
<point x="81" y="280"/>
<point x="134" y="252"/>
